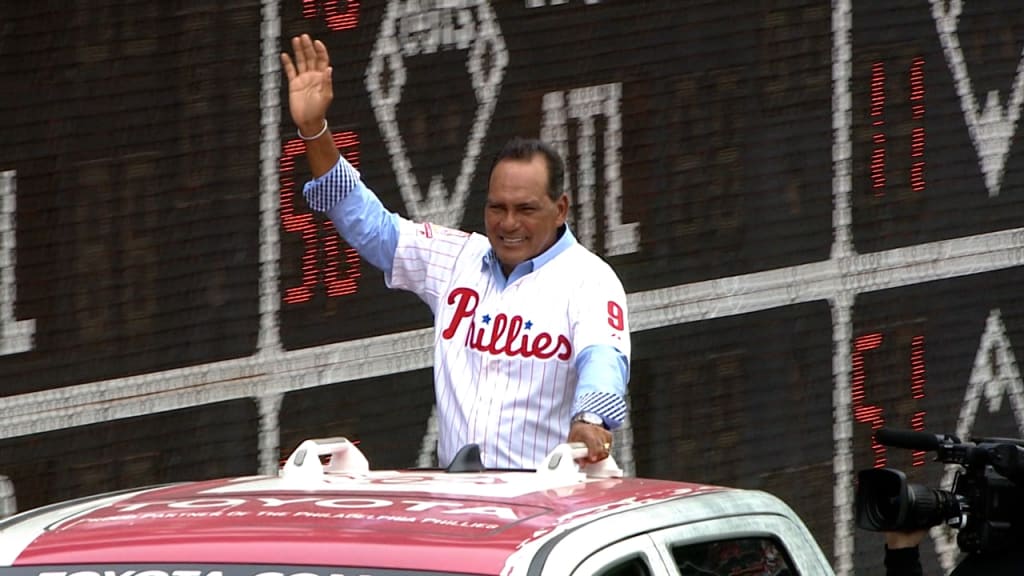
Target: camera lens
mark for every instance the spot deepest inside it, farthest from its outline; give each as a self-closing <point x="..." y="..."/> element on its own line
<point x="929" y="507"/>
<point x="885" y="501"/>
<point x="879" y="500"/>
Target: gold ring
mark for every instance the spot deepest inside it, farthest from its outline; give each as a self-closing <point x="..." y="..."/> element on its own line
<point x="607" y="446"/>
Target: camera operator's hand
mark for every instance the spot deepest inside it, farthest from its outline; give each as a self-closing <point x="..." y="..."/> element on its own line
<point x="902" y="558"/>
<point x="897" y="540"/>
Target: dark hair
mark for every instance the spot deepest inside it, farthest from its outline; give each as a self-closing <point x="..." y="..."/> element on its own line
<point x="525" y="149"/>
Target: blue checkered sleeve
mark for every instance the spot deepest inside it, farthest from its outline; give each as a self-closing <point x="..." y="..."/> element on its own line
<point x="357" y="214"/>
<point x="609" y="406"/>
<point x="325" y="192"/>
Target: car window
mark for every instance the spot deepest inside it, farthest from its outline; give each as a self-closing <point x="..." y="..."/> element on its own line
<point x="635" y="566"/>
<point x="635" y="556"/>
<point x="734" y="557"/>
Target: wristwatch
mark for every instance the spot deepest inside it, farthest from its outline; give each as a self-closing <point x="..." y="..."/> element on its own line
<point x="588" y="418"/>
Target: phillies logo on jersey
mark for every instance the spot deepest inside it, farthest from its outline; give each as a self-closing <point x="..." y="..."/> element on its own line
<point x="510" y="336"/>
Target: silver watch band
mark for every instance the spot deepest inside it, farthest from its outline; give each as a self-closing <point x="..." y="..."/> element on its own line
<point x="589" y="418"/>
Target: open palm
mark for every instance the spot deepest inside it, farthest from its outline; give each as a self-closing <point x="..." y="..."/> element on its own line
<point x="309" y="83"/>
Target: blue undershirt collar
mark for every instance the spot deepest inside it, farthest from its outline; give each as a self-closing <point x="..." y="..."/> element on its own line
<point x="490" y="259"/>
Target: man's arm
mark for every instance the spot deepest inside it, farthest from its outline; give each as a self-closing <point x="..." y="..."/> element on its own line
<point x="321" y="153"/>
<point x="603" y="371"/>
<point x="902" y="562"/>
<point x="599" y="405"/>
<point x="902" y="557"/>
<point x="601" y="334"/>
<point x="336" y="187"/>
<point x="357" y="214"/>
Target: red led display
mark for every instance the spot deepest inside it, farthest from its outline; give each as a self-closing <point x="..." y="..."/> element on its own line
<point x="337" y="19"/>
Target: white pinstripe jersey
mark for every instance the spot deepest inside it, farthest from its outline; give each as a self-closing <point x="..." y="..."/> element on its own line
<point x="504" y="366"/>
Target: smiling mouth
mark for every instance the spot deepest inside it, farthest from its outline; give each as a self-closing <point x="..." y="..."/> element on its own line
<point x="512" y="241"/>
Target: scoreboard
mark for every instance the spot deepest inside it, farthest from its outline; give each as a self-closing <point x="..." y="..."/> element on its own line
<point x="815" y="208"/>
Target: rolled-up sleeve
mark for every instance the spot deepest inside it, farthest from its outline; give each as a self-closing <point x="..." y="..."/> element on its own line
<point x="357" y="214"/>
<point x="601" y="387"/>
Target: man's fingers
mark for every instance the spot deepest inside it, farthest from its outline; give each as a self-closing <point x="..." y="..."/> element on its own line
<point x="289" y="67"/>
<point x="598" y="452"/>
<point x="598" y="440"/>
<point x="300" y="57"/>
<point x="598" y="448"/>
<point x="323" y="59"/>
<point x="308" y="56"/>
<point x="309" y="53"/>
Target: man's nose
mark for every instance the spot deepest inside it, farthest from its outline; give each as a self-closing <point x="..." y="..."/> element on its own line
<point x="510" y="220"/>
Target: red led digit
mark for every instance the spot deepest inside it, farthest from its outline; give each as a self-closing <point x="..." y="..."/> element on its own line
<point x="917" y="134"/>
<point x="616" y="316"/>
<point x="298" y="223"/>
<point x="872" y="414"/>
<point x="868" y="414"/>
<point x="336" y="19"/>
<point x="877" y="120"/>
<point x="339" y="284"/>
<point x="917" y="381"/>
<point x="335" y="282"/>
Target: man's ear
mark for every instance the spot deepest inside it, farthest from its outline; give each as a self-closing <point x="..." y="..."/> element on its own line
<point x="562" y="204"/>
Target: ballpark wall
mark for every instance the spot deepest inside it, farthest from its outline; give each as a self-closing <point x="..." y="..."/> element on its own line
<point x="815" y="208"/>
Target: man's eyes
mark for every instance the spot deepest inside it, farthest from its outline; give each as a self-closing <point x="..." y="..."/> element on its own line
<point x="523" y="209"/>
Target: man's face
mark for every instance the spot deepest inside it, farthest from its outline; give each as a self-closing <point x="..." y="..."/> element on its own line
<point x="521" y="219"/>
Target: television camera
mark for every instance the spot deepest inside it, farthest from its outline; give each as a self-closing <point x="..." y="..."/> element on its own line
<point x="985" y="503"/>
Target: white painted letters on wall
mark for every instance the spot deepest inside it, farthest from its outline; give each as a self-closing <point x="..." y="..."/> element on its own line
<point x="584" y="106"/>
<point x="15" y="335"/>
<point x="991" y="126"/>
<point x="422" y="28"/>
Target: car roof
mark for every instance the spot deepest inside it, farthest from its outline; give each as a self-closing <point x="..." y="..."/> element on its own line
<point x="338" y="514"/>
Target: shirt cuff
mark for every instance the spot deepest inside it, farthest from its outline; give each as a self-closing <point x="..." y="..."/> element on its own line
<point x="332" y="187"/>
<point x="609" y="406"/>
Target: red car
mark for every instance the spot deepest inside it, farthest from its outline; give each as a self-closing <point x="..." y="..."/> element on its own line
<point x="327" y="514"/>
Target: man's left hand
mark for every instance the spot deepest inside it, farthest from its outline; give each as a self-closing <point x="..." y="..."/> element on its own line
<point x="597" y="439"/>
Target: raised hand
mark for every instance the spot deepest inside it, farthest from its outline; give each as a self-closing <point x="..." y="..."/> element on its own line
<point x="309" y="83"/>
